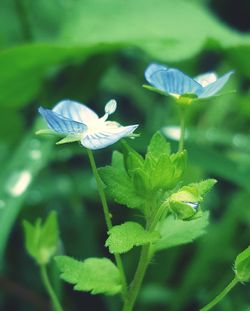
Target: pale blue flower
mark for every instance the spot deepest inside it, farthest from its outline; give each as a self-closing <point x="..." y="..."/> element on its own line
<point x="175" y="83"/>
<point x="80" y="122"/>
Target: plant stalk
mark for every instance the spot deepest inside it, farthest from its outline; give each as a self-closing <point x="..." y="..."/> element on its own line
<point x="107" y="217"/>
<point x="138" y="278"/>
<point x="218" y="298"/>
<point x="44" y="275"/>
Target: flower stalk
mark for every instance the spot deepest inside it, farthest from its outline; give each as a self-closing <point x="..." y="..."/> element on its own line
<point x="218" y="298"/>
<point x="107" y="217"/>
<point x="44" y="275"/>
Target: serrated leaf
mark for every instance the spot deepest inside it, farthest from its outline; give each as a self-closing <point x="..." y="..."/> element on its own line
<point x="132" y="159"/>
<point x="161" y="176"/>
<point x="141" y="182"/>
<point x="205" y="186"/>
<point x="123" y="238"/>
<point x="41" y="240"/>
<point x="117" y="160"/>
<point x="158" y="146"/>
<point x="179" y="161"/>
<point x="242" y="265"/>
<point x="175" y="232"/>
<point x="120" y="187"/>
<point x="95" y="275"/>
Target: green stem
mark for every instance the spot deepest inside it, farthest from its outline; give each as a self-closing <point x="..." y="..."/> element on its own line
<point x="49" y="288"/>
<point x="138" y="278"/>
<point x="218" y="298"/>
<point x="183" y="128"/>
<point x="144" y="260"/>
<point x="107" y="217"/>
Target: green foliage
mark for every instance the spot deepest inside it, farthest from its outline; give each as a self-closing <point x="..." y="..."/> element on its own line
<point x="23" y="166"/>
<point x="242" y="265"/>
<point x="41" y="240"/>
<point x="120" y="187"/>
<point x="95" y="275"/>
<point x="134" y="181"/>
<point x="124" y="237"/>
<point x="175" y="231"/>
<point x="179" y="44"/>
<point x="158" y="147"/>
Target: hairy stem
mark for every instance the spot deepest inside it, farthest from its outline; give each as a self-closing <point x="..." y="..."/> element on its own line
<point x="107" y="217"/>
<point x="44" y="275"/>
<point x="218" y="298"/>
<point x="138" y="278"/>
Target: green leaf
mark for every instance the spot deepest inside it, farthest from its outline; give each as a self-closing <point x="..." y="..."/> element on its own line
<point x="161" y="176"/>
<point x="132" y="159"/>
<point x="23" y="68"/>
<point x="23" y="166"/>
<point x="141" y="182"/>
<point x="158" y="146"/>
<point x="179" y="161"/>
<point x="120" y="187"/>
<point x="117" y="160"/>
<point x="123" y="238"/>
<point x="205" y="186"/>
<point x="41" y="241"/>
<point x="242" y="265"/>
<point x="175" y="231"/>
<point x="47" y="132"/>
<point x="69" y="139"/>
<point x="95" y="275"/>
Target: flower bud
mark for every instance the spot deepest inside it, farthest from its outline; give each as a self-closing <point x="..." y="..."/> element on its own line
<point x="184" y="204"/>
<point x="242" y="266"/>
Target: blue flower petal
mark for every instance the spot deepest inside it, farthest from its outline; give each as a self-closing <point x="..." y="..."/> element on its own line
<point x="61" y="124"/>
<point x="216" y="86"/>
<point x="174" y="81"/>
<point x="152" y="68"/>
<point x="75" y="111"/>
<point x="107" y="137"/>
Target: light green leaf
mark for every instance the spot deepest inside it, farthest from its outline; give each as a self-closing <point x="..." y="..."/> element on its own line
<point x="242" y="265"/>
<point x="47" y="132"/>
<point x="162" y="173"/>
<point x="95" y="275"/>
<point x="179" y="161"/>
<point x="175" y="231"/>
<point x="158" y="146"/>
<point x="120" y="187"/>
<point x="41" y="240"/>
<point x="132" y="159"/>
<point x="205" y="186"/>
<point x="117" y="160"/>
<point x="123" y="238"/>
<point x="23" y="68"/>
<point x="69" y="139"/>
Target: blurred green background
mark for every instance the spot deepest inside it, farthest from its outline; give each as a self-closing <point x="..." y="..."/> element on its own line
<point x="92" y="51"/>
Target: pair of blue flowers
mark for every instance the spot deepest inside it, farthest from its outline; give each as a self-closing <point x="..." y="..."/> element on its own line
<point x="76" y="120"/>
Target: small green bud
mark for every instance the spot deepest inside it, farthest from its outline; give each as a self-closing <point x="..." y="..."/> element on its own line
<point x="242" y="266"/>
<point x="184" y="204"/>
